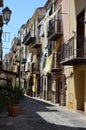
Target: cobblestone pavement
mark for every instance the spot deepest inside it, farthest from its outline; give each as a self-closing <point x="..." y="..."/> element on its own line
<point x="36" y="114"/>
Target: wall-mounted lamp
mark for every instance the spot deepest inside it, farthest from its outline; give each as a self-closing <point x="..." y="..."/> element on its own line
<point x="4" y="19"/>
<point x="6" y="14"/>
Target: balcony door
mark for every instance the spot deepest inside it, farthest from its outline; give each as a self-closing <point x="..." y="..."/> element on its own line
<point x="80" y="34"/>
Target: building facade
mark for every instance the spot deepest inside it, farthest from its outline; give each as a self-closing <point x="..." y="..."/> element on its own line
<point x="73" y="56"/>
<point x="52" y="57"/>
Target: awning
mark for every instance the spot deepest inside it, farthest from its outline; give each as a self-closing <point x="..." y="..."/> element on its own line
<point x="7" y="72"/>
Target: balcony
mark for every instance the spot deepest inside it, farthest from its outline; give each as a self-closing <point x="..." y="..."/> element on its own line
<point x="28" y="39"/>
<point x="37" y="43"/>
<point x="14" y="60"/>
<point x="18" y="42"/>
<point x="14" y="49"/>
<point x="74" y="51"/>
<point x="15" y="68"/>
<point x="18" y="59"/>
<point x="55" y="29"/>
<point x="56" y="67"/>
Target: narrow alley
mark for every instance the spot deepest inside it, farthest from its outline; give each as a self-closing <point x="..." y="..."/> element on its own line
<point x="36" y="114"/>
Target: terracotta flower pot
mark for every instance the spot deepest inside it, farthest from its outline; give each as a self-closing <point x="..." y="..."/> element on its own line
<point x="13" y="109"/>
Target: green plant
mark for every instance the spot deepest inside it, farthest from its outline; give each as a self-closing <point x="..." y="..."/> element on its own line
<point x="15" y="95"/>
<point x="3" y="98"/>
<point x="29" y="89"/>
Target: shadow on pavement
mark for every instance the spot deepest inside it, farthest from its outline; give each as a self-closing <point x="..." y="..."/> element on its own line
<point x="29" y="119"/>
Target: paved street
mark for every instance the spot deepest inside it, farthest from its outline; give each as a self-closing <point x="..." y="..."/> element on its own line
<point x="38" y="115"/>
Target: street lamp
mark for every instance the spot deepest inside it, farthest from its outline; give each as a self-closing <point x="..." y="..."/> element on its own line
<point x="6" y="14"/>
<point x="4" y="19"/>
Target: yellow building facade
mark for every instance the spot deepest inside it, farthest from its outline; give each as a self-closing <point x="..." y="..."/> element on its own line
<point x="75" y="56"/>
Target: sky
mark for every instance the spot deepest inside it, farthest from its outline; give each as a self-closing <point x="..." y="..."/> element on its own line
<point x="21" y="12"/>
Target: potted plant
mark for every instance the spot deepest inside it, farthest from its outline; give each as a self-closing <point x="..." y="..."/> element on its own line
<point x="15" y="96"/>
<point x="29" y="91"/>
<point x="3" y="98"/>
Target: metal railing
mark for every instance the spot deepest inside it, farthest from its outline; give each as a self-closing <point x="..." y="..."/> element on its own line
<point x="28" y="37"/>
<point x="73" y="48"/>
<point x="55" y="26"/>
<point x="37" y="41"/>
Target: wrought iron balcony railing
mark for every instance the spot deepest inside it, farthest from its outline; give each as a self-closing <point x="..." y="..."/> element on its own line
<point x="28" y="38"/>
<point x="55" y="29"/>
<point x="74" y="51"/>
<point x="18" y="59"/>
<point x="18" y="41"/>
<point x="37" y="42"/>
<point x="56" y="66"/>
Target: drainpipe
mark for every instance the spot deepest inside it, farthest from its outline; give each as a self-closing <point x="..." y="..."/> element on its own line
<point x="46" y="87"/>
<point x="43" y="87"/>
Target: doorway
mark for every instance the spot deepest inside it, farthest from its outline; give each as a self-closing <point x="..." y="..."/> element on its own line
<point x="80" y="90"/>
<point x="80" y="34"/>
